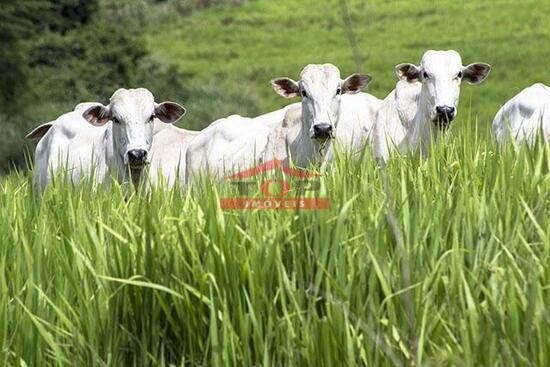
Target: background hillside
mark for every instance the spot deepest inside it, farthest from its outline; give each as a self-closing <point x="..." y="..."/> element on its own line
<point x="216" y="57"/>
<point x="239" y="49"/>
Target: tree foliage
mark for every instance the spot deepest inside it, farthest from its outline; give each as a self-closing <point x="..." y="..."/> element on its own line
<point x="24" y="22"/>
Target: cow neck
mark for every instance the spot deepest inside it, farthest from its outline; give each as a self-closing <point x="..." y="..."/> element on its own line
<point x="422" y="127"/>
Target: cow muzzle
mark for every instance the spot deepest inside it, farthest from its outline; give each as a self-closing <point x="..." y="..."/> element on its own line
<point x="444" y="115"/>
<point x="322" y="131"/>
<point x="137" y="158"/>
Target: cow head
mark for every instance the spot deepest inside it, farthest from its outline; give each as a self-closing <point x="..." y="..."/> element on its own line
<point x="441" y="74"/>
<point x="132" y="112"/>
<point x="320" y="88"/>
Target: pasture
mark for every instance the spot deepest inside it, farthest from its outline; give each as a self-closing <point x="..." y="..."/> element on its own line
<point x="242" y="48"/>
<point x="436" y="261"/>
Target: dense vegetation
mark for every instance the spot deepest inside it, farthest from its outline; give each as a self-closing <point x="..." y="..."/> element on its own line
<point x="90" y="277"/>
<point x="97" y="278"/>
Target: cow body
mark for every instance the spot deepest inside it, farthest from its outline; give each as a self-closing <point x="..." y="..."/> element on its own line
<point x="72" y="148"/>
<point x="355" y="129"/>
<point x="524" y="116"/>
<point x="235" y="143"/>
<point x="168" y="154"/>
<point x="301" y="133"/>
<point x="231" y="144"/>
<point x="102" y="141"/>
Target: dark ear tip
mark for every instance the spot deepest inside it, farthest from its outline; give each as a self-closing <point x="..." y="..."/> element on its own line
<point x="367" y="79"/>
<point x="279" y="81"/>
<point x="170" y="112"/>
<point x="180" y="108"/>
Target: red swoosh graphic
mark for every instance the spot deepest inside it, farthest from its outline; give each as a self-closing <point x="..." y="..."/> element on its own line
<point x="270" y="166"/>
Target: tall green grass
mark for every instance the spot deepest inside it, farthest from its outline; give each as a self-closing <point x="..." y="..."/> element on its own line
<point x="90" y="277"/>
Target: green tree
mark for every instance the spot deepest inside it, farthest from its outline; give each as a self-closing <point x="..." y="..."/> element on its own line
<point x="18" y="22"/>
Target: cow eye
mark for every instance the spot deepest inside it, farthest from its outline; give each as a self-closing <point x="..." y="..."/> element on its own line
<point x="459" y="75"/>
<point x="338" y="91"/>
<point x="115" y="120"/>
<point x="425" y="75"/>
<point x="304" y="94"/>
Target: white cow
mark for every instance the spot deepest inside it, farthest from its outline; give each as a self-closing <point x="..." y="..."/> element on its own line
<point x="227" y="145"/>
<point x="424" y="102"/>
<point x="106" y="140"/>
<point x="299" y="132"/>
<point x="523" y="116"/>
<point x="168" y="154"/>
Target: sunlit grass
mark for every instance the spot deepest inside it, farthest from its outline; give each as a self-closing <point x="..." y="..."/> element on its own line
<point x="91" y="277"/>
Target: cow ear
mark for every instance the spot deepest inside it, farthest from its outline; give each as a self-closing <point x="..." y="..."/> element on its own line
<point x="408" y="72"/>
<point x="169" y="112"/>
<point x="355" y="83"/>
<point x="476" y="73"/>
<point x="39" y="132"/>
<point x="285" y="87"/>
<point x="97" y="115"/>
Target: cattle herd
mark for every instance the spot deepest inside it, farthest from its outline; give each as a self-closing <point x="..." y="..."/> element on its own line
<point x="133" y="139"/>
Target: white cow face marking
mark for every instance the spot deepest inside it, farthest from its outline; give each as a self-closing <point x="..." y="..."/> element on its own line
<point x="132" y="112"/>
<point x="321" y="89"/>
<point x="441" y="74"/>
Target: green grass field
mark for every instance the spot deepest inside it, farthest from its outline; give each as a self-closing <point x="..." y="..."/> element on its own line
<point x="91" y="277"/>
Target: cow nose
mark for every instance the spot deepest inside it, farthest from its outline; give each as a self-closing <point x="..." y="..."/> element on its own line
<point x="446" y="112"/>
<point x="322" y="131"/>
<point x="137" y="156"/>
<point x="444" y="116"/>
